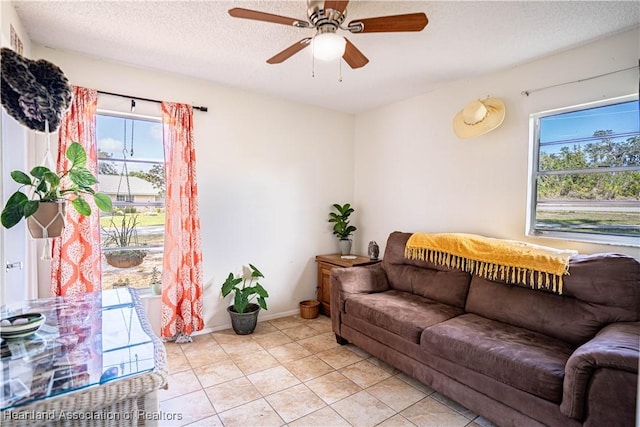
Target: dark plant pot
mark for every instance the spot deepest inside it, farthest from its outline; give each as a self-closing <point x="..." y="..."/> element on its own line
<point x="244" y="323"/>
<point x="124" y="259"/>
<point x="48" y="216"/>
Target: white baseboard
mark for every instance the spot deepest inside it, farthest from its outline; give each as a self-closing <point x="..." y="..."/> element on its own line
<point x="227" y="325"/>
<point x="153" y="307"/>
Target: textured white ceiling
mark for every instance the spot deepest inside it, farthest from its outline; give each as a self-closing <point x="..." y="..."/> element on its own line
<point x="199" y="39"/>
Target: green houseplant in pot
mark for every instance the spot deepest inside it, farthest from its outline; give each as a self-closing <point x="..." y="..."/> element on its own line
<point x="123" y="236"/>
<point x="44" y="212"/>
<point x="341" y="227"/>
<point x="156" y="281"/>
<point x="243" y="312"/>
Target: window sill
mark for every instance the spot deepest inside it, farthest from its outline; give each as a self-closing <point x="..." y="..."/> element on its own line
<point x="627" y="241"/>
<point x="146" y="293"/>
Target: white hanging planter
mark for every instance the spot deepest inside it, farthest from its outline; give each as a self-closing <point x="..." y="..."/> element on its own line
<point x="48" y="220"/>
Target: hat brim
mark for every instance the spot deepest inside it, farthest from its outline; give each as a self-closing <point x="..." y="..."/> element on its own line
<point x="493" y="119"/>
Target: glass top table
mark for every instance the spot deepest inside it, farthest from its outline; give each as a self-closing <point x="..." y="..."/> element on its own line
<point x="86" y="341"/>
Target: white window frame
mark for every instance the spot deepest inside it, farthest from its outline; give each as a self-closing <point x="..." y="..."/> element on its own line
<point x="123" y="197"/>
<point x="141" y="117"/>
<point x="534" y="139"/>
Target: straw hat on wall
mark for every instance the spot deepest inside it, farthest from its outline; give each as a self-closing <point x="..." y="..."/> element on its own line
<point x="479" y="117"/>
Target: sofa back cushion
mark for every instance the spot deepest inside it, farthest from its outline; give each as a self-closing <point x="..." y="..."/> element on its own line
<point x="439" y="283"/>
<point x="600" y="289"/>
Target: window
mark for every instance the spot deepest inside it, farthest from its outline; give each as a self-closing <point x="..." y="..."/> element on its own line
<point x="124" y="198"/>
<point x="131" y="171"/>
<point x="585" y="180"/>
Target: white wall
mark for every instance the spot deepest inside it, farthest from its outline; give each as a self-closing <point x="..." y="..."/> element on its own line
<point x="16" y="284"/>
<point x="266" y="177"/>
<point x="413" y="174"/>
<point x="8" y="18"/>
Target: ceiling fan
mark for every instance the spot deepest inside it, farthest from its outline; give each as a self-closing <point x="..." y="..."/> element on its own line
<point x="327" y="17"/>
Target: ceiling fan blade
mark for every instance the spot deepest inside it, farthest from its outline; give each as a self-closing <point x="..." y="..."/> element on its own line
<point x="290" y="51"/>
<point x="387" y="24"/>
<point x="353" y="56"/>
<point x="239" y="12"/>
<point x="339" y="5"/>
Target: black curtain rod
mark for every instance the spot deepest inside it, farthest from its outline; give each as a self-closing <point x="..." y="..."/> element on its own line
<point x="205" y="109"/>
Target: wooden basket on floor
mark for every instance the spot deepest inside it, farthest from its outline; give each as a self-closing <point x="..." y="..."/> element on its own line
<point x="309" y="309"/>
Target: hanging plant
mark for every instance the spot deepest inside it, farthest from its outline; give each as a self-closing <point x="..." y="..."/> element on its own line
<point x="51" y="187"/>
<point x="125" y="259"/>
<point x="123" y="236"/>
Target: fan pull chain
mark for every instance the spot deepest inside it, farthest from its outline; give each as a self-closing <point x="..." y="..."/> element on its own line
<point x="313" y="59"/>
<point x="340" y="76"/>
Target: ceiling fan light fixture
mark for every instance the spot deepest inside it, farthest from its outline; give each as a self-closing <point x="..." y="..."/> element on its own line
<point x="328" y="46"/>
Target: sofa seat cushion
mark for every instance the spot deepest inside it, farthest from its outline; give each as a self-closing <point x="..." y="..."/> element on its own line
<point x="400" y="312"/>
<point x="527" y="360"/>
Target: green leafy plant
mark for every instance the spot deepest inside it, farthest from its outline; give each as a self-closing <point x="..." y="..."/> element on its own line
<point x="246" y="292"/>
<point x="156" y="281"/>
<point x="341" y="227"/>
<point x="49" y="186"/>
<point x="155" y="276"/>
<point x="123" y="235"/>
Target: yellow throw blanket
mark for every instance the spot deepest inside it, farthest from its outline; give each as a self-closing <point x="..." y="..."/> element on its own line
<point x="514" y="262"/>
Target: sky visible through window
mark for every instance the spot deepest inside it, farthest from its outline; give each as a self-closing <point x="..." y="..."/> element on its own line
<point x="147" y="139"/>
<point x="620" y="118"/>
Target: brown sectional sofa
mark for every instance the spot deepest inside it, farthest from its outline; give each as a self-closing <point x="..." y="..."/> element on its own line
<point x="517" y="356"/>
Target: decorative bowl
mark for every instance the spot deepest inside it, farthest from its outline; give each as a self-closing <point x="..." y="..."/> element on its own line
<point x="21" y="325"/>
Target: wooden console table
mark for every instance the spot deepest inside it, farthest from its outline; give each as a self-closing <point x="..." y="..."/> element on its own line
<point x="326" y="263"/>
<point x="93" y="362"/>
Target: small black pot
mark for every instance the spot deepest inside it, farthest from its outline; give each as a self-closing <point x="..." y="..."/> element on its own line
<point x="244" y="323"/>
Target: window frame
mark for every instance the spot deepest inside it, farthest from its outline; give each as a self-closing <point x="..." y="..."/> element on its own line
<point x="535" y="173"/>
<point x="124" y="197"/>
<point x="125" y="203"/>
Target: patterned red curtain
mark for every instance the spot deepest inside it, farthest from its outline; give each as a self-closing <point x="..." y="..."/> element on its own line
<point x="182" y="266"/>
<point x="75" y="265"/>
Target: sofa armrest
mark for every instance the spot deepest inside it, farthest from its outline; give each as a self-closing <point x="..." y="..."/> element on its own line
<point x="615" y="348"/>
<point x="354" y="280"/>
<point x="358" y="280"/>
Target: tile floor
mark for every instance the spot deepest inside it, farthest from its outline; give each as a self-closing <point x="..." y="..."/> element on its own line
<point x="291" y="372"/>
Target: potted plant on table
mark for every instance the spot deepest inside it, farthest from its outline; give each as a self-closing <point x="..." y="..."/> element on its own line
<point x="123" y="236"/>
<point x="44" y="212"/>
<point x="341" y="227"/>
<point x="243" y="312"/>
